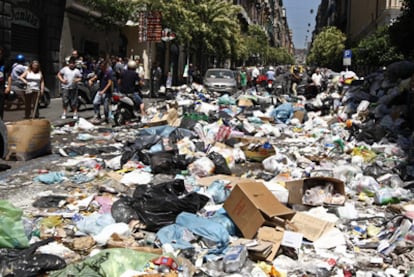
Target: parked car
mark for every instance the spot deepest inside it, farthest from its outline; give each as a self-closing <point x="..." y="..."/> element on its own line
<point x="220" y="80"/>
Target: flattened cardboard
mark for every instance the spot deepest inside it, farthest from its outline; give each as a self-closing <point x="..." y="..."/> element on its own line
<point x="250" y="204"/>
<point x="271" y="235"/>
<point x="298" y="187"/>
<point x="206" y="181"/>
<point x="311" y="227"/>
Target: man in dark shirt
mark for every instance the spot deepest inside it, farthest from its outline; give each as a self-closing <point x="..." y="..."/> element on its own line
<point x="2" y="82"/>
<point x="129" y="83"/>
<point x="103" y="96"/>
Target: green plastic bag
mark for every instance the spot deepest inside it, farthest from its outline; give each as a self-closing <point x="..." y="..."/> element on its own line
<point x="107" y="263"/>
<point x="12" y="233"/>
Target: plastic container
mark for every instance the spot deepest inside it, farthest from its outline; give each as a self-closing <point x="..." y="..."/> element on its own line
<point x="235" y="258"/>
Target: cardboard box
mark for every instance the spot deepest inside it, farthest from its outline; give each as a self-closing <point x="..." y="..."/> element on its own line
<point x="28" y="139"/>
<point x="245" y="102"/>
<point x="170" y="117"/>
<point x="297" y="188"/>
<point x="251" y="204"/>
<point x="300" y="115"/>
<point x="259" y="153"/>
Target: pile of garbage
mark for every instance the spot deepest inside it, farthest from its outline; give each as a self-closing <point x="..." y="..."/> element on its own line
<point x="217" y="185"/>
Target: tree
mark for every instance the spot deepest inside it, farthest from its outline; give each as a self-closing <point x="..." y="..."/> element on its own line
<point x="112" y="13"/>
<point x="402" y="29"/>
<point x="279" y="55"/>
<point x="376" y="50"/>
<point x="327" y="48"/>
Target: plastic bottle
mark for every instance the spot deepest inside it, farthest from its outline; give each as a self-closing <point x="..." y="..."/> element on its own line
<point x="234" y="259"/>
<point x="385" y="196"/>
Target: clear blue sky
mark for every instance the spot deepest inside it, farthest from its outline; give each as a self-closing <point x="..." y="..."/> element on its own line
<point x="299" y="16"/>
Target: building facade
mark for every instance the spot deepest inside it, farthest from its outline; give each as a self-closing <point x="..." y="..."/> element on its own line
<point x="33" y="28"/>
<point x="357" y="19"/>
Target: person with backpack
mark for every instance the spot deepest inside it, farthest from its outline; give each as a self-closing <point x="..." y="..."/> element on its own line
<point x="15" y="87"/>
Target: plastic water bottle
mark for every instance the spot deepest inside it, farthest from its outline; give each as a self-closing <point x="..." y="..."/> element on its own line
<point x="234" y="259"/>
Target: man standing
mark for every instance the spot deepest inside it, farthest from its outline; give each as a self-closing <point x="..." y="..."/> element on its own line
<point x="317" y="79"/>
<point x="243" y="78"/>
<point x="255" y="75"/>
<point x="69" y="76"/>
<point x="104" y="94"/>
<point x="295" y="80"/>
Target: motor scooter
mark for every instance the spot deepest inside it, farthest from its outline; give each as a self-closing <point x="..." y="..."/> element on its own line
<point x="15" y="99"/>
<point x="87" y="93"/>
<point x="124" y="108"/>
<point x="270" y="86"/>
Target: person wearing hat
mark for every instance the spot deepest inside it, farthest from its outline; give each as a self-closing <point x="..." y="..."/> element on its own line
<point x="14" y="84"/>
<point x="129" y="83"/>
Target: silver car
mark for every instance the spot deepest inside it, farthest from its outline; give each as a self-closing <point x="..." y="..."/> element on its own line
<point x="220" y="80"/>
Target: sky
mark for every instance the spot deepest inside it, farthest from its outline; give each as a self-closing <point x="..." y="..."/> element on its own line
<point x="299" y="15"/>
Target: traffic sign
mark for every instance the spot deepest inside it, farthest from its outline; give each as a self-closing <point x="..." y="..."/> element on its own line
<point x="347" y="57"/>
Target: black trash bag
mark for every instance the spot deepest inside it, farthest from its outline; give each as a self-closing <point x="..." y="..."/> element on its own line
<point x="25" y="263"/>
<point x="182" y="161"/>
<point x="220" y="163"/>
<point x="199" y="145"/>
<point x="159" y="205"/>
<point x="51" y="201"/>
<point x="179" y="133"/>
<point x="128" y="154"/>
<point x="163" y="162"/>
<point x="188" y="123"/>
<point x="371" y="135"/>
<point x="122" y="210"/>
<point x="146" y="141"/>
<point x="375" y="170"/>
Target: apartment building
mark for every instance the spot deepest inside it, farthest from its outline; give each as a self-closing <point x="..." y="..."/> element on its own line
<point x="356" y="18"/>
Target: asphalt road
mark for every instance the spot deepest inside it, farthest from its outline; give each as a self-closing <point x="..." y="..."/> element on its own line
<point x="52" y="113"/>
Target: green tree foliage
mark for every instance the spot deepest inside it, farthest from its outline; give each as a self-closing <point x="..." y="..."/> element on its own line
<point x="112" y="13"/>
<point x="327" y="48"/>
<point x="376" y="50"/>
<point x="279" y="55"/>
<point x="401" y="31"/>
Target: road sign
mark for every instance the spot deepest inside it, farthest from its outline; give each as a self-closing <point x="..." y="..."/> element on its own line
<point x="149" y="26"/>
<point x="348" y="53"/>
<point x="347" y="57"/>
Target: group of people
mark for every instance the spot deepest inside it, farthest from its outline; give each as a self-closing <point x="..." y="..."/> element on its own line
<point x="113" y="74"/>
<point x="120" y="74"/>
<point x="292" y="77"/>
<point x="22" y="79"/>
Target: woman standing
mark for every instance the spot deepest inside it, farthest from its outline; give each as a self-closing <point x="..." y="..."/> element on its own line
<point x="33" y="78"/>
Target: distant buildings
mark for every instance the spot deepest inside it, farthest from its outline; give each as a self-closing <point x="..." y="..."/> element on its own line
<point x="357" y="18"/>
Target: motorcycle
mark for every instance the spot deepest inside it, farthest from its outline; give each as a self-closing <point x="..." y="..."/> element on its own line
<point x="87" y="93"/>
<point x="15" y="99"/>
<point x="123" y="108"/>
<point x="269" y="86"/>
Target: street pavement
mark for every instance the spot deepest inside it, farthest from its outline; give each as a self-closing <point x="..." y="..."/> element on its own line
<point x="52" y="113"/>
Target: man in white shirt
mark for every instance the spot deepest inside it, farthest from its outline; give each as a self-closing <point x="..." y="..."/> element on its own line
<point x="317" y="79"/>
<point x="255" y="75"/>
